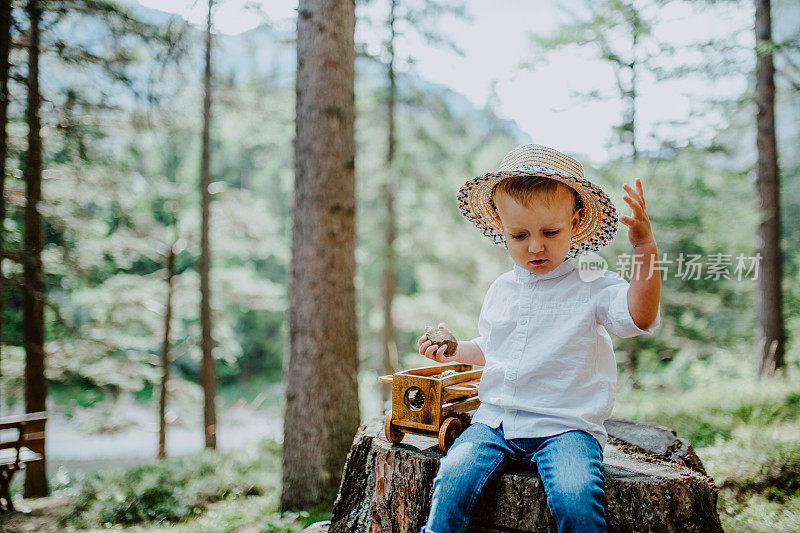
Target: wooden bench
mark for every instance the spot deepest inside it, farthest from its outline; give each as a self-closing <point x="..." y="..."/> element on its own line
<point x="18" y="449"/>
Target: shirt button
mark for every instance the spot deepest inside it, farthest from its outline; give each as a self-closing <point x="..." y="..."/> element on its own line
<point x="523" y="321"/>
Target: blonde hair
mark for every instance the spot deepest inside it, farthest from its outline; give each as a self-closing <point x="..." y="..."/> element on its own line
<point x="526" y="189"/>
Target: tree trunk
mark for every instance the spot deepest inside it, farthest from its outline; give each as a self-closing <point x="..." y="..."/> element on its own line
<point x="653" y="482"/>
<point x="322" y="411"/>
<point x="208" y="375"/>
<point x="33" y="273"/>
<point x="633" y="95"/>
<point x="389" y="266"/>
<point x="5" y="46"/>
<point x="162" y="404"/>
<point x="770" y="311"/>
<point x="626" y="74"/>
<point x="390" y="362"/>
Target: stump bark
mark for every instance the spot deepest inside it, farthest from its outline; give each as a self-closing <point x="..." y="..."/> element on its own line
<point x="653" y="482"/>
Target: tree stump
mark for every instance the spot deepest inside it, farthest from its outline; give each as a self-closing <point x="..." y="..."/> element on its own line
<point x="653" y="482"/>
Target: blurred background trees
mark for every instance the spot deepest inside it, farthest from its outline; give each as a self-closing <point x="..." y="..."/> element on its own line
<point x="419" y="18"/>
<point x="121" y="117"/>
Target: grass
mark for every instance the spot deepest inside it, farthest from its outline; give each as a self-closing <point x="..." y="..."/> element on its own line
<point x="758" y="473"/>
<point x="710" y="415"/>
<point x="758" y="514"/>
<point x="746" y="431"/>
<point x="258" y="514"/>
<point x="719" y="400"/>
<point x="206" y="492"/>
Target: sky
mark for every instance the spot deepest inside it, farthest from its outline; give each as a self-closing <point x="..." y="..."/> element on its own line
<point x="541" y="100"/>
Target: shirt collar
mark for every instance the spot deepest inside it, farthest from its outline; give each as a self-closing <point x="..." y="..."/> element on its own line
<point x="522" y="275"/>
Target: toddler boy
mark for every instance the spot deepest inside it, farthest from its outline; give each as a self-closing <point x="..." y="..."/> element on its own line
<point x="549" y="376"/>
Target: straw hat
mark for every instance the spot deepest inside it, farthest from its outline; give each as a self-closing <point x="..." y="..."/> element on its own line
<point x="598" y="224"/>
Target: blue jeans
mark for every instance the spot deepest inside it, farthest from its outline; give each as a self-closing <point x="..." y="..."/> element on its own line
<point x="570" y="465"/>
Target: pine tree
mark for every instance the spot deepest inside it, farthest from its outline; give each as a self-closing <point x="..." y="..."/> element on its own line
<point x="5" y="48"/>
<point x="322" y="409"/>
<point x="770" y="312"/>
<point x="208" y="377"/>
<point x="421" y="16"/>
<point x="34" y="286"/>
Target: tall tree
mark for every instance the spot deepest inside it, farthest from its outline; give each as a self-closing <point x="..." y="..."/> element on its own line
<point x="390" y="363"/>
<point x="208" y="375"/>
<point x="322" y="412"/>
<point x="422" y="17"/>
<point x="165" y="345"/>
<point x="33" y="272"/>
<point x="5" y="48"/>
<point x="770" y="310"/>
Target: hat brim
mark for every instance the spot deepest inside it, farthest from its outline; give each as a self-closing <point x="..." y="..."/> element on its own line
<point x="598" y="225"/>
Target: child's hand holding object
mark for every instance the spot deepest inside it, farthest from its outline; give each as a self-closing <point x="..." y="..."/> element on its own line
<point x="438" y="344"/>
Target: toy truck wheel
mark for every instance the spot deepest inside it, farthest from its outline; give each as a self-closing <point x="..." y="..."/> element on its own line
<point x="450" y="430"/>
<point x="393" y="433"/>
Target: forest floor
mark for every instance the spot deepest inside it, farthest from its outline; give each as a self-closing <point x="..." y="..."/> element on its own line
<point x="747" y="435"/>
<point x="119" y="432"/>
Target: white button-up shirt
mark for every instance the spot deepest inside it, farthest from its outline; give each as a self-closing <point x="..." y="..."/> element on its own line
<point x="550" y="364"/>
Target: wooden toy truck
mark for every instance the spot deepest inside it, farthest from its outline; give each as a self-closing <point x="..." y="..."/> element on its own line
<point x="425" y="402"/>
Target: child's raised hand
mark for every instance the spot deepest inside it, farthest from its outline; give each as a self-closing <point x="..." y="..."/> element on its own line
<point x="433" y="351"/>
<point x="639" y="231"/>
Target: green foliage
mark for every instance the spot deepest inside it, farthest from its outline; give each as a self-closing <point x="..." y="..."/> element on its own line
<point x="756" y="513"/>
<point x="691" y="203"/>
<point x="708" y="401"/>
<point x="172" y="490"/>
<point x="75" y="395"/>
<point x="257" y="513"/>
<point x="111" y="223"/>
<point x="439" y="147"/>
<point x="757" y="472"/>
<point x="777" y="477"/>
<point x="745" y="431"/>
<point x="122" y="188"/>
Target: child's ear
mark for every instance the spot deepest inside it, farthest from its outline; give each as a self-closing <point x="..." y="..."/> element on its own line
<point x="576" y="219"/>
